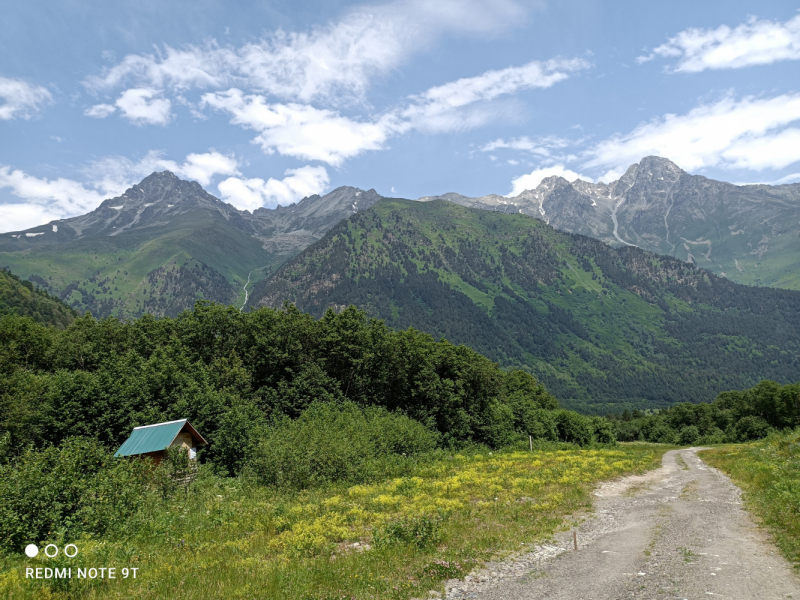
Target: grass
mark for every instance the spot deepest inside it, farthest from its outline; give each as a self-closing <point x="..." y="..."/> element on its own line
<point x="768" y="471"/>
<point x="229" y="539"/>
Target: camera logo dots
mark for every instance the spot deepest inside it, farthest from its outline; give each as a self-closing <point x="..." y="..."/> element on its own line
<point x="51" y="550"/>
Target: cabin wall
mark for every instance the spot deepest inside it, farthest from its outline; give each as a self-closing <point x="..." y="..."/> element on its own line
<point x="184" y="439"/>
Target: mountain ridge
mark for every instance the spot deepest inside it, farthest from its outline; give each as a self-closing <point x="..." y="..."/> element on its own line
<point x="604" y="328"/>
<point x="165" y="243"/>
<point x="659" y="207"/>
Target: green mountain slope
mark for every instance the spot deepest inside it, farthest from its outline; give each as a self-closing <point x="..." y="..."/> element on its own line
<point x="157" y="249"/>
<point x="166" y="243"/>
<point x="748" y="233"/>
<point x="603" y="328"/>
<point x="18" y="297"/>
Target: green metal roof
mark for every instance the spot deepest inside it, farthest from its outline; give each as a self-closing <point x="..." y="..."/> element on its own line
<point x="152" y="438"/>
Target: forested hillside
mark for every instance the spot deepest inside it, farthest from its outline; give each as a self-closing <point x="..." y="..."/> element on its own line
<point x="605" y="329"/>
<point x="23" y="298"/>
<point x="734" y="416"/>
<point x="230" y="373"/>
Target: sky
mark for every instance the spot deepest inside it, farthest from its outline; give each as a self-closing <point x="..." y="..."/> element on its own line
<point x="264" y="103"/>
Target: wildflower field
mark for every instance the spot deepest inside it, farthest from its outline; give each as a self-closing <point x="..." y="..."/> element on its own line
<point x="400" y="538"/>
<point x="768" y="471"/>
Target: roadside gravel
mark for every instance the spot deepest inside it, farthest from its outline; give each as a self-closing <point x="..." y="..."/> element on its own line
<point x="676" y="532"/>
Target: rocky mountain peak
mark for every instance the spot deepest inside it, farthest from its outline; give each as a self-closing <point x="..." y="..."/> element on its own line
<point x="656" y="167"/>
<point x="551" y="183"/>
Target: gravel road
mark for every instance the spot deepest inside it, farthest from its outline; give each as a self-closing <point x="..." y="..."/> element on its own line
<point x="676" y="532"/>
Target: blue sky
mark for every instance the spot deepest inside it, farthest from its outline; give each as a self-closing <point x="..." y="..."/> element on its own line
<point x="264" y="103"/>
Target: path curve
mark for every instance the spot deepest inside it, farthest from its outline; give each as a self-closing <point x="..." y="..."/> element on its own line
<point x="676" y="532"/>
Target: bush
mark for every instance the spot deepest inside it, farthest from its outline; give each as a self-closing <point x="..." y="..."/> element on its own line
<point x="63" y="492"/>
<point x="688" y="435"/>
<point x="237" y="438"/>
<point x="337" y="442"/>
<point x="573" y="427"/>
<point x="421" y="532"/>
<point x="715" y="436"/>
<point x="751" y="428"/>
<point x="541" y="425"/>
<point x="603" y="431"/>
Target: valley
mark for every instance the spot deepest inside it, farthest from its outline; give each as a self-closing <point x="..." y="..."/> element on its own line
<point x="558" y="280"/>
<point x="604" y="329"/>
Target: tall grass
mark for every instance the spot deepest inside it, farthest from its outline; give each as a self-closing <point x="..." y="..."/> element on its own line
<point x="234" y="538"/>
<point x="768" y="471"/>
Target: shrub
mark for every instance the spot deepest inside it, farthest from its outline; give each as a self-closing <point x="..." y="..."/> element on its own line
<point x="603" y="431"/>
<point x="751" y="428"/>
<point x="688" y="435"/>
<point x="76" y="488"/>
<point x="237" y="438"/>
<point x="421" y="532"/>
<point x="715" y="436"/>
<point x="573" y="427"/>
<point x="337" y="442"/>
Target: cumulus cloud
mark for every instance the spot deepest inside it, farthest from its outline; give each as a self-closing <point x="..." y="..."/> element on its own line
<point x="756" y="42"/>
<point x="752" y="133"/>
<point x="530" y="181"/>
<point x="46" y="199"/>
<point x="250" y="194"/>
<point x="142" y="107"/>
<point x="100" y="111"/>
<point x="21" y="100"/>
<point x="115" y="174"/>
<point x="300" y="130"/>
<point x="338" y="60"/>
<point x="17" y="217"/>
<point x="51" y="199"/>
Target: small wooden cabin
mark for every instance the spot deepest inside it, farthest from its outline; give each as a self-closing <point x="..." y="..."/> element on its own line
<point x="154" y="440"/>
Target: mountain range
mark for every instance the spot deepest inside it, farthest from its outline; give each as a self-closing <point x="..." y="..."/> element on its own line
<point x="604" y="328"/>
<point x="166" y="243"/>
<point x="748" y="233"/>
<point x="601" y="290"/>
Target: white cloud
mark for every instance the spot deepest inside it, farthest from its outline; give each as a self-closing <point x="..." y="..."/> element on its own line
<point x="115" y="174"/>
<point x="51" y="199"/>
<point x="750" y="133"/>
<point x="250" y="194"/>
<point x="100" y="111"/>
<point x="440" y="108"/>
<point x="300" y="130"/>
<point x="142" y="107"/>
<point x="531" y="180"/>
<point x="339" y="60"/>
<point x="20" y="100"/>
<point x="539" y="147"/>
<point x="17" y="217"/>
<point x="310" y="133"/>
<point x="757" y="42"/>
<point x="788" y="179"/>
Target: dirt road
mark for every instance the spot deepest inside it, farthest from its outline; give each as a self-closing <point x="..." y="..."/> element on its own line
<point x="676" y="532"/>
